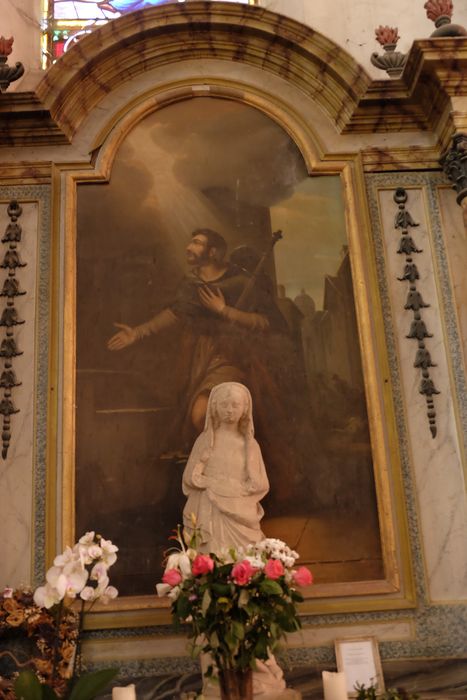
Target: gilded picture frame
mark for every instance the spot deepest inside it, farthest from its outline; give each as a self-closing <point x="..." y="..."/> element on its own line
<point x="394" y="587"/>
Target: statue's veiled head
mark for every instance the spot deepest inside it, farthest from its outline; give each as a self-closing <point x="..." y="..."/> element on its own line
<point x="230" y="402"/>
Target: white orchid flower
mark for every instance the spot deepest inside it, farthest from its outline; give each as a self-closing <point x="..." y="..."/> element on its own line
<point x="109" y="556"/>
<point x="83" y="553"/>
<point x="88" y="593"/>
<point x="101" y="586"/>
<point x="87" y="538"/>
<point x="180" y="561"/>
<point x="75" y="581"/>
<point x="98" y="571"/>
<point x="69" y="579"/>
<point x="46" y="596"/>
<point x="65" y="558"/>
<point x="7" y="592"/>
<point x="94" y="551"/>
<point x="109" y="594"/>
<point x="57" y="580"/>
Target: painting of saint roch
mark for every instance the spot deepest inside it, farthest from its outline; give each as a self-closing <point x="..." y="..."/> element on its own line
<point x="212" y="256"/>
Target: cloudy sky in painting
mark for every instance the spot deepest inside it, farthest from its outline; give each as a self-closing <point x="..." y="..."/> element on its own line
<point x="204" y="163"/>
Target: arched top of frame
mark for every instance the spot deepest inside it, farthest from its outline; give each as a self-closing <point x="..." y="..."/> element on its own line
<point x="132" y="45"/>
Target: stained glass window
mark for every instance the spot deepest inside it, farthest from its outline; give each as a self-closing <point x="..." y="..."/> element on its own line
<point x="66" y="21"/>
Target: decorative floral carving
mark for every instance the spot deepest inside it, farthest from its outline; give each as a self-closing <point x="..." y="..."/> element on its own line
<point x="8" y="74"/>
<point x="438" y="8"/>
<point x="6" y="46"/>
<point x="9" y="319"/>
<point x="387" y="35"/>
<point x="418" y="331"/>
<point x="391" y="61"/>
<point x="454" y="163"/>
<point x="440" y="12"/>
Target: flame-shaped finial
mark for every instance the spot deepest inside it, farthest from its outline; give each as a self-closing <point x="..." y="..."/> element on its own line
<point x="386" y="35"/>
<point x="438" y="8"/>
<point x="6" y="46"/>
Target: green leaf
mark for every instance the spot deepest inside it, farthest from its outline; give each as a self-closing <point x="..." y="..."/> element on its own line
<point x="91" y="684"/>
<point x="206" y="602"/>
<point x="221" y="588"/>
<point x="48" y="693"/>
<point x="183" y="607"/>
<point x="243" y="598"/>
<point x="214" y="640"/>
<point x="270" y="587"/>
<point x="261" y="648"/>
<point x="231" y="641"/>
<point x="238" y="630"/>
<point x="27" y="686"/>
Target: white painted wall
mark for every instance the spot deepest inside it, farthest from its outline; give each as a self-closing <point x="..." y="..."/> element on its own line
<point x="350" y="23"/>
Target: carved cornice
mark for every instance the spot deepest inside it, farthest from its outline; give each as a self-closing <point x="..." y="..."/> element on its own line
<point x="158" y="36"/>
<point x="24" y="121"/>
<point x="435" y="72"/>
<point x="425" y="98"/>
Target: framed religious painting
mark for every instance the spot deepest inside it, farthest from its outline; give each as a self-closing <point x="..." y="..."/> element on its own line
<point x="201" y="175"/>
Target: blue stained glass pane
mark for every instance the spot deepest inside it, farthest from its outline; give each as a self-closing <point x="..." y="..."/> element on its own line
<point x="104" y="9"/>
<point x="130" y="5"/>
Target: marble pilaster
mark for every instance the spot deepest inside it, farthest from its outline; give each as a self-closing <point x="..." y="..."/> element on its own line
<point x="16" y="471"/>
<point x="436" y="463"/>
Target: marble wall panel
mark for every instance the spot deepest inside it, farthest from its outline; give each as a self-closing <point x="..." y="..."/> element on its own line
<point x="107" y="650"/>
<point x="16" y="472"/>
<point x="436" y="463"/>
<point x="455" y="236"/>
<point x="22" y="474"/>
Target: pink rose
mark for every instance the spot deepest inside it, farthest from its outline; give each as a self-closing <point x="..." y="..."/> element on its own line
<point x="274" y="568"/>
<point x="242" y="572"/>
<point x="303" y="576"/>
<point x="172" y="577"/>
<point x="202" y="564"/>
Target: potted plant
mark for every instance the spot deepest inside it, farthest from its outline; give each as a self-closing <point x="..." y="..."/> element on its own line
<point x="51" y="619"/>
<point x="238" y="605"/>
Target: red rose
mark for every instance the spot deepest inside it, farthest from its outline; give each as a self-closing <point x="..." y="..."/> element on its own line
<point x="202" y="564"/>
<point x="172" y="577"/>
<point x="274" y="568"/>
<point x="303" y="576"/>
<point x="242" y="572"/>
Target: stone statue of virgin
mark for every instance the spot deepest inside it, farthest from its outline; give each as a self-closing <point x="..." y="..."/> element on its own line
<point x="225" y="477"/>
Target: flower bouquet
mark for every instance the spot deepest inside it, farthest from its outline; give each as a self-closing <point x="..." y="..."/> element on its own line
<point x="239" y="604"/>
<point x="51" y="619"/>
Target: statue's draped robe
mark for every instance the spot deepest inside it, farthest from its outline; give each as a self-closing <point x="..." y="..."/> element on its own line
<point x="227" y="511"/>
<point x="226" y="505"/>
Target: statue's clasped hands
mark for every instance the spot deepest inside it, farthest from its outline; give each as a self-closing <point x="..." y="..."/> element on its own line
<point x="212" y="299"/>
